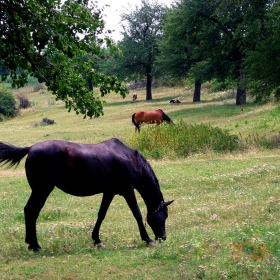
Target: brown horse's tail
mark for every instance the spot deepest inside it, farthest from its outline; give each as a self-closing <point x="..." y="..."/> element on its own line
<point x="11" y="154"/>
<point x="166" y="118"/>
<point x="135" y="123"/>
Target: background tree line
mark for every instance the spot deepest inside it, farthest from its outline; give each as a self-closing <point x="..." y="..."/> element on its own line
<point x="64" y="46"/>
<point x="202" y="40"/>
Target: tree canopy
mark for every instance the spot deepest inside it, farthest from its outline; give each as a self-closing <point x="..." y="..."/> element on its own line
<point x="47" y="39"/>
<point x="223" y="39"/>
<point x="263" y="62"/>
<point x="142" y="28"/>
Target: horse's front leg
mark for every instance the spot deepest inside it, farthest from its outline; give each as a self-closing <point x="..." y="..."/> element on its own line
<point x="133" y="205"/>
<point x="105" y="203"/>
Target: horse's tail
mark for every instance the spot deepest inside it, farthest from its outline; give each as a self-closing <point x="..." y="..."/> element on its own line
<point x="134" y="122"/>
<point x="11" y="154"/>
<point x="166" y="118"/>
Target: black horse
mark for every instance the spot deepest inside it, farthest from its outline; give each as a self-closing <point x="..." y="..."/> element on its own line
<point x="108" y="167"/>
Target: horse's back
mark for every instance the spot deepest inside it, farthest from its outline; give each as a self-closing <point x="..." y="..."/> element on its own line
<point x="81" y="169"/>
<point x="148" y="116"/>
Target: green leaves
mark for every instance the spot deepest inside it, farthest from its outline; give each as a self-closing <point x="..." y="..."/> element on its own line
<point x="7" y="103"/>
<point x="142" y="27"/>
<point x="49" y="40"/>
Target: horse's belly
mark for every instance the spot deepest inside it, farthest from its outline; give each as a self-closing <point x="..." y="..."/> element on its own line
<point x="84" y="186"/>
<point x="80" y="191"/>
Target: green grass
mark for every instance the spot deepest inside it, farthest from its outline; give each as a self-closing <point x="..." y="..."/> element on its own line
<point x="182" y="139"/>
<point x="223" y="224"/>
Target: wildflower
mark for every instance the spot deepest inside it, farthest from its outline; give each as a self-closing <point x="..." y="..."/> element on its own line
<point x="215" y="216"/>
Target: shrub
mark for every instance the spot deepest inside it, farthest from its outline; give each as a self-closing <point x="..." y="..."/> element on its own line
<point x="47" y="121"/>
<point x="44" y="122"/>
<point x="23" y="101"/>
<point x="7" y="103"/>
<point x="220" y="85"/>
<point x="39" y="86"/>
<point x="182" y="140"/>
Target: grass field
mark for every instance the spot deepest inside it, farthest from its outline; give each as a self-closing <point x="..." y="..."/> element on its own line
<point x="224" y="223"/>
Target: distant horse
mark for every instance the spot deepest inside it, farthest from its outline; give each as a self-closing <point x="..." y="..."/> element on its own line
<point x="134" y="97"/>
<point x="174" y="101"/>
<point x="156" y="116"/>
<point x="108" y="167"/>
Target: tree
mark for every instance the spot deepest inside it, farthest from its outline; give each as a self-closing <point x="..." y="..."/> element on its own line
<point x="214" y="37"/>
<point x="47" y="39"/>
<point x="263" y="62"/>
<point x="178" y="45"/>
<point x="142" y="28"/>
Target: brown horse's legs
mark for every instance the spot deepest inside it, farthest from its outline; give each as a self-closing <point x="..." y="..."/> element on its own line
<point x="137" y="127"/>
<point x="31" y="212"/>
<point x="106" y="201"/>
<point x="133" y="205"/>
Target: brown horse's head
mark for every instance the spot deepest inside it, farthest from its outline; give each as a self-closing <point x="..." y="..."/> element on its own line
<point x="165" y="117"/>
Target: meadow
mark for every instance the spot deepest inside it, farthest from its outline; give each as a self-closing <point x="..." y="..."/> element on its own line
<point x="223" y="224"/>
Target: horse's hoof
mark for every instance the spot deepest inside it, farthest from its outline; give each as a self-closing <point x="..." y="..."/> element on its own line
<point x="151" y="243"/>
<point x="36" y="248"/>
<point x="99" y="245"/>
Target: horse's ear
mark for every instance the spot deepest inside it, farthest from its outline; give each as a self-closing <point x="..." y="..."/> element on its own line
<point x="168" y="202"/>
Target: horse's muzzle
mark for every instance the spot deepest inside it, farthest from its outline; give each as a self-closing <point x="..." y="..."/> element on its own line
<point x="161" y="238"/>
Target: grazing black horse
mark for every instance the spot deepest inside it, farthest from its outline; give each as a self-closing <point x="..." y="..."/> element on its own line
<point x="108" y="167"/>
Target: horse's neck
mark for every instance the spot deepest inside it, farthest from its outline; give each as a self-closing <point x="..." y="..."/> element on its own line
<point x="148" y="187"/>
<point x="152" y="197"/>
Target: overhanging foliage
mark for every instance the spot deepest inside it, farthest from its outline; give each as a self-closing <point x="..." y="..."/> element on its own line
<point x="47" y="40"/>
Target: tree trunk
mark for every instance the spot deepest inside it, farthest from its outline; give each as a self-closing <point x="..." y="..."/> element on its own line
<point x="149" y="83"/>
<point x="241" y="89"/>
<point x="197" y="91"/>
<point x="90" y="85"/>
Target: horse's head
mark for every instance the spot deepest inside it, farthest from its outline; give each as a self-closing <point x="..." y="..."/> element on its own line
<point x="156" y="220"/>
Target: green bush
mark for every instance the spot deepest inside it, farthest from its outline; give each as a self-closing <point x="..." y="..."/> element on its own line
<point x="180" y="140"/>
<point x="7" y="103"/>
<point x="39" y="86"/>
<point x="30" y="80"/>
<point x="220" y="85"/>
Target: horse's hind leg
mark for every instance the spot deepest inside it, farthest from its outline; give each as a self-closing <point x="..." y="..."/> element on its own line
<point x="106" y="201"/>
<point x="31" y="212"/>
<point x="137" y="128"/>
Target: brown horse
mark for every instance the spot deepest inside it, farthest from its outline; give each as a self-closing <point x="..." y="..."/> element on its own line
<point x="156" y="116"/>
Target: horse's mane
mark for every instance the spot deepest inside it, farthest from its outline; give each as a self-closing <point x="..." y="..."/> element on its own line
<point x="148" y="176"/>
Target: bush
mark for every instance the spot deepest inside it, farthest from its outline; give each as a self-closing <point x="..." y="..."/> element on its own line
<point x="182" y="139"/>
<point x="44" y="122"/>
<point x="220" y="85"/>
<point x="47" y="121"/>
<point x="39" y="87"/>
<point x="23" y="101"/>
<point x="7" y="103"/>
<point x="30" y="80"/>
